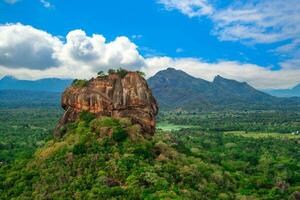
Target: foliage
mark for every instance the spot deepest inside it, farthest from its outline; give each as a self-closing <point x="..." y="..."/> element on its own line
<point x="86" y="116"/>
<point x="111" y="71"/>
<point x="249" y="121"/>
<point x="80" y="83"/>
<point x="142" y="74"/>
<point x="97" y="158"/>
<point x="186" y="164"/>
<point x="119" y="134"/>
<point x="19" y="99"/>
<point x="120" y="71"/>
<point x="101" y="74"/>
<point x="24" y="130"/>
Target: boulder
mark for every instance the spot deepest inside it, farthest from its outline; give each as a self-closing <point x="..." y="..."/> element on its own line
<point x="113" y="96"/>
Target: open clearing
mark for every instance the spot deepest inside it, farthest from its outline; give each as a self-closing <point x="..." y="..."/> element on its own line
<point x="263" y="135"/>
<point x="172" y="127"/>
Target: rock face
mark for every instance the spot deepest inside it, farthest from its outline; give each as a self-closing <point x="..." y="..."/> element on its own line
<point x="113" y="96"/>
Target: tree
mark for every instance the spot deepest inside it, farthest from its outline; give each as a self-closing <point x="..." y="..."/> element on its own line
<point x="101" y="74"/>
<point x="141" y="73"/>
<point x="122" y="72"/>
<point x="111" y="71"/>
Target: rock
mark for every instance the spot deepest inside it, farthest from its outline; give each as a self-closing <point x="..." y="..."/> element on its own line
<point x="112" y="96"/>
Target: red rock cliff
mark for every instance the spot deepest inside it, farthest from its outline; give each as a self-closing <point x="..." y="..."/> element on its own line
<point x="112" y="96"/>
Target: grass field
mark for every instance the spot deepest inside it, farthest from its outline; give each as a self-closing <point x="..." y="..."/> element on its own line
<point x="173" y="127"/>
<point x="263" y="135"/>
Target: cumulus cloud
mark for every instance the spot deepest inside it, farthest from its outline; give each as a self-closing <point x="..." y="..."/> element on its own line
<point x="97" y="53"/>
<point x="30" y="53"/>
<point x="25" y="46"/>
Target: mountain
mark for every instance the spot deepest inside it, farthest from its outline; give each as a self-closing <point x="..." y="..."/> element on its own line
<point x="293" y="92"/>
<point x="47" y="84"/>
<point x="172" y="88"/>
<point x="177" y="89"/>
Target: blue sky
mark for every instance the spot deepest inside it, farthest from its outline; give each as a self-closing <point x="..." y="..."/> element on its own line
<point x="253" y="41"/>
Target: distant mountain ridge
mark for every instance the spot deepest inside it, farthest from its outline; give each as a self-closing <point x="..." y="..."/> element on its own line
<point x="177" y="89"/>
<point x="173" y="89"/>
<point x="47" y="84"/>
<point x="29" y="99"/>
<point x="293" y="92"/>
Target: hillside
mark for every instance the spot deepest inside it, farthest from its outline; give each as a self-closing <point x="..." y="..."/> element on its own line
<point x="47" y="84"/>
<point x="28" y="99"/>
<point x="176" y="89"/>
<point x="293" y="92"/>
<point x="87" y="163"/>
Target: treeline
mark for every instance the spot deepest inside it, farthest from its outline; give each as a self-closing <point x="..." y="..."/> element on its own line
<point x="22" y="131"/>
<point x="251" y="121"/>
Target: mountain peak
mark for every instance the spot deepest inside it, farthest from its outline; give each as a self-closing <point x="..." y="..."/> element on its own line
<point x="297" y="87"/>
<point x="8" y="78"/>
<point x="218" y="78"/>
<point x="172" y="74"/>
<point x="221" y="80"/>
<point x="175" y="88"/>
<point x="171" y="69"/>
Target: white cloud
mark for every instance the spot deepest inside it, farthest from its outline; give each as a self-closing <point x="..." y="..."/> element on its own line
<point x="263" y="21"/>
<point x="46" y="4"/>
<point x="81" y="56"/>
<point x="253" y="21"/>
<point x="190" y="8"/>
<point x="25" y="46"/>
<point x="95" y="52"/>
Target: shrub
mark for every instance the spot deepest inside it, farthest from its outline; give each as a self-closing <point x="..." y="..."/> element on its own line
<point x="181" y="148"/>
<point x="142" y="74"/>
<point x="101" y="74"/>
<point x="119" y="134"/>
<point x="86" y="116"/>
<point x="80" y="83"/>
<point x="104" y="122"/>
<point x="121" y="72"/>
<point x="79" y="149"/>
<point x="111" y="71"/>
<point x="144" y="153"/>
